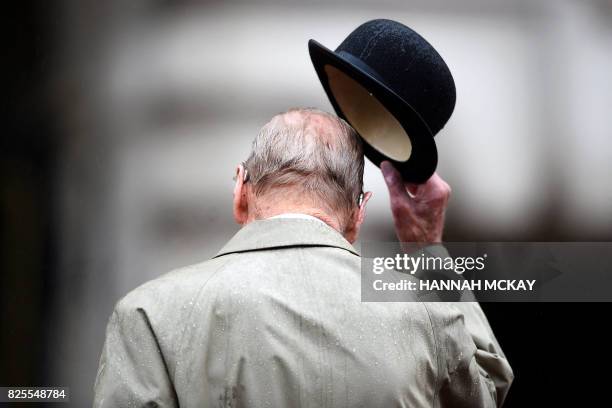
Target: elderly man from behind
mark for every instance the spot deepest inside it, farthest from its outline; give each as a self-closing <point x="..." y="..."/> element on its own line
<point x="275" y="318"/>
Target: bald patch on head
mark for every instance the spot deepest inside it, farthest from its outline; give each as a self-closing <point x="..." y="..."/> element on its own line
<point x="314" y="124"/>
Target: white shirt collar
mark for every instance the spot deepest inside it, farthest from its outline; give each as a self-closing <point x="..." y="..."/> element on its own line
<point x="297" y="215"/>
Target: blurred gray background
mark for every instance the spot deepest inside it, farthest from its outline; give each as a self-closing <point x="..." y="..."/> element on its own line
<point x="155" y="102"/>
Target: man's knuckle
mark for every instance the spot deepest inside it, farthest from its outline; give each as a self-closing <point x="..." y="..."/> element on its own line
<point x="442" y="193"/>
<point x="438" y="199"/>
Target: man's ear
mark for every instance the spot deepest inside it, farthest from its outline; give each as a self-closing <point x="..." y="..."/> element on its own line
<point x="240" y="205"/>
<point x="358" y="216"/>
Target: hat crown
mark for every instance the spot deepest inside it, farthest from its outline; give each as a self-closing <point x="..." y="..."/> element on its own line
<point x="407" y="64"/>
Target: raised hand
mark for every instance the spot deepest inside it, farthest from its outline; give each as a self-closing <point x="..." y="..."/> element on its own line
<point x="418" y="209"/>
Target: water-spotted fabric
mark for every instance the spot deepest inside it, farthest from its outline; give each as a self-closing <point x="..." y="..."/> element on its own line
<point x="276" y="320"/>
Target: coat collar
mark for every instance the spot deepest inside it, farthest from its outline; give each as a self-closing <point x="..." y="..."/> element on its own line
<point x="283" y="233"/>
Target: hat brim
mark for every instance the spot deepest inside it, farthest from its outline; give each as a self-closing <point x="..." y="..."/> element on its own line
<point x="424" y="156"/>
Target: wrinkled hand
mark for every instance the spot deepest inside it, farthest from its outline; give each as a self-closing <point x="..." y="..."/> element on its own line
<point x="418" y="209"/>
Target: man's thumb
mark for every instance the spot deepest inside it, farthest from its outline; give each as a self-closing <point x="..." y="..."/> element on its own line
<point x="393" y="179"/>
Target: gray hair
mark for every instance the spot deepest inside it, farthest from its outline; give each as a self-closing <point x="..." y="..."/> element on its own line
<point x="313" y="151"/>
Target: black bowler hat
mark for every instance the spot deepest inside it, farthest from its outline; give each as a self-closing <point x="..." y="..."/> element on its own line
<point x="394" y="88"/>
